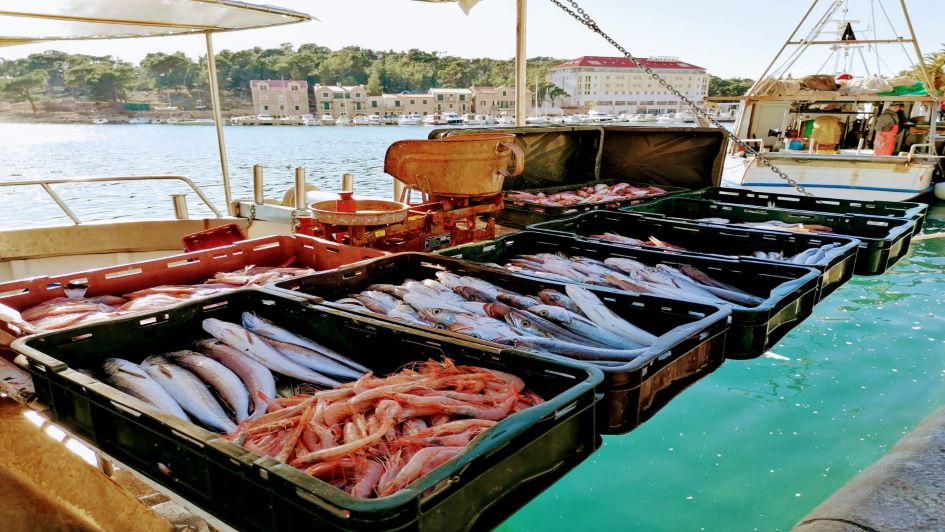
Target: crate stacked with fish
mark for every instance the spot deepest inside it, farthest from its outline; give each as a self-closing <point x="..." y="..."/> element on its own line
<point x="906" y="210"/>
<point x="883" y="239"/>
<point x="49" y="303"/>
<point x="834" y="256"/>
<point x="767" y="299"/>
<point x="525" y="207"/>
<point x="276" y="413"/>
<point x="648" y="347"/>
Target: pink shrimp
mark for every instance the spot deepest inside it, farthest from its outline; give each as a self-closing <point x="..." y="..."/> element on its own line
<point x="369" y="475"/>
<point x="424" y="461"/>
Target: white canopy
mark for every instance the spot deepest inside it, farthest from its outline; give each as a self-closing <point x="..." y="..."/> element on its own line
<point x="25" y="21"/>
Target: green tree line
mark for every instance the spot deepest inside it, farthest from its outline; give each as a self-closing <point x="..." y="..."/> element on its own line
<point x="105" y="78"/>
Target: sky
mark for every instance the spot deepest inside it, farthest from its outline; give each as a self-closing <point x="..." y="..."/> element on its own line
<point x="730" y="38"/>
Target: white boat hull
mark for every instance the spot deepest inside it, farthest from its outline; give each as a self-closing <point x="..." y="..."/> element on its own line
<point x="886" y="179"/>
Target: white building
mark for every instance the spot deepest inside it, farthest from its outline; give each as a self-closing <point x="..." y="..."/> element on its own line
<point x="617" y="84"/>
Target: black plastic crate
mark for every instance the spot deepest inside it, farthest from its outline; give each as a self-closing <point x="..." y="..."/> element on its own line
<point x="789" y="291"/>
<point x="836" y="267"/>
<point x="883" y="241"/>
<point x="906" y="210"/>
<point x="521" y="456"/>
<point x="691" y="344"/>
<point x="521" y="213"/>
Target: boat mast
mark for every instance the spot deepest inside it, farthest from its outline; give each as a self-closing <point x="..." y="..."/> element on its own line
<point x="521" y="100"/>
<point x="218" y="122"/>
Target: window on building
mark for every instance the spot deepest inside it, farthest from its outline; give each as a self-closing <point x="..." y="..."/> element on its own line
<point x="326" y="106"/>
<point x="462" y="97"/>
<point x="293" y="87"/>
<point x="282" y="108"/>
<point x="324" y="95"/>
<point x="338" y="96"/>
<point x="374" y="104"/>
<point x="357" y="106"/>
<point x="265" y="108"/>
<point x="504" y="94"/>
<point x="412" y="102"/>
<point x="424" y="102"/>
<point x="397" y="103"/>
<point x="263" y="87"/>
<point x="296" y="107"/>
<point x="357" y="95"/>
<point x="439" y="97"/>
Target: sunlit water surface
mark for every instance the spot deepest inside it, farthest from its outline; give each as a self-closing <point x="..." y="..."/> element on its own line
<point x="754" y="446"/>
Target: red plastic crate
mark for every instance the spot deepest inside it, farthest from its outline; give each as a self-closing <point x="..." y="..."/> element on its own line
<point x="185" y="268"/>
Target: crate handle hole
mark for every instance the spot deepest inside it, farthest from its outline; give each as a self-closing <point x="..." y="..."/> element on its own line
<point x="349" y="275"/>
<point x="80" y="338"/>
<point x="211" y="306"/>
<point x="122" y="273"/>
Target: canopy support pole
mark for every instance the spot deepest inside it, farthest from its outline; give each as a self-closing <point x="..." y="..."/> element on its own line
<point x="521" y="100"/>
<point x="216" y="102"/>
<point x="929" y="85"/>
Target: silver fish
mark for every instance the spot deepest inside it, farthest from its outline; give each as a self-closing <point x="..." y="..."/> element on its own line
<point x="518" y="301"/>
<point x="549" y="296"/>
<point x="445" y="318"/>
<point x="405" y="312"/>
<point x="314" y="360"/>
<point x="387" y="300"/>
<point x="624" y="264"/>
<point x="472" y="294"/>
<point x="134" y="381"/>
<point x="597" y="312"/>
<point x="578" y="351"/>
<point x="420" y="301"/>
<point x="189" y="392"/>
<point x="396" y="291"/>
<point x="529" y="323"/>
<point x="257" y="378"/>
<point x="266" y="328"/>
<point x="371" y="304"/>
<point x="449" y="279"/>
<point x="254" y="346"/>
<point x="226" y="383"/>
<point x="582" y="326"/>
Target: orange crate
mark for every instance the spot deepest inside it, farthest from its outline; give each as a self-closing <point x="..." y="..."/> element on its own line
<point x="185" y="268"/>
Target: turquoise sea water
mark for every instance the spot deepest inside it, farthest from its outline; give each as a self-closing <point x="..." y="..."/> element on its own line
<point x="754" y="446"/>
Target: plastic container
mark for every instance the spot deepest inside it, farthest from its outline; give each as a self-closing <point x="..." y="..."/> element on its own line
<point x="632" y="392"/>
<point x="795" y="144"/>
<point x="789" y="291"/>
<point x="185" y="268"/>
<point x="521" y="213"/>
<point x="883" y="240"/>
<point x="905" y="210"/>
<point x="494" y="476"/>
<point x="836" y="266"/>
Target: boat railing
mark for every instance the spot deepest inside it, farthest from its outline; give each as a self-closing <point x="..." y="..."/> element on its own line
<point x="47" y="186"/>
<point x="930" y="152"/>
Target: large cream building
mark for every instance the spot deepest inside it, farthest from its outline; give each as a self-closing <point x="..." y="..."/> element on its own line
<point x="353" y="101"/>
<point x="617" y="84"/>
<point x="279" y="98"/>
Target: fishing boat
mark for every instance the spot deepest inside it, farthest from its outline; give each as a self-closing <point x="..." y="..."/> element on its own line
<point x="410" y="120"/>
<point x="451" y="118"/>
<point x="327" y="120"/>
<point x="778" y="114"/>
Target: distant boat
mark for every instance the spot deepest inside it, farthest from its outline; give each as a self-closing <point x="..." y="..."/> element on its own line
<point x="451" y="118"/>
<point x="344" y="120"/>
<point x="536" y="120"/>
<point x="196" y="122"/>
<point x="140" y="120"/>
<point x="361" y="120"/>
<point x="600" y="117"/>
<point x="505" y="120"/>
<point x="471" y="119"/>
<point x="410" y="120"/>
<point x="574" y="119"/>
<point x="99" y="120"/>
<point x="310" y="120"/>
<point x="327" y="120"/>
<point x="433" y="120"/>
<point x="375" y="120"/>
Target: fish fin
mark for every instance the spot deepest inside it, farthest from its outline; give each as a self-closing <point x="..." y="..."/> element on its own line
<point x="133" y="373"/>
<point x="166" y="372"/>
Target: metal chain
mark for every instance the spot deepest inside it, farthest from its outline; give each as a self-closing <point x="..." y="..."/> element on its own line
<point x="578" y="14"/>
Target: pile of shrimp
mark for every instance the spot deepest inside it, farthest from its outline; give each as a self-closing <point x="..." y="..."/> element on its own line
<point x="375" y="436"/>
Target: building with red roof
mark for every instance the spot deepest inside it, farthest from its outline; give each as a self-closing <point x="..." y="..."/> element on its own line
<point x="619" y="85"/>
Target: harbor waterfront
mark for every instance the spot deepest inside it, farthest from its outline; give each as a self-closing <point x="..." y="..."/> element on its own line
<point x="754" y="446"/>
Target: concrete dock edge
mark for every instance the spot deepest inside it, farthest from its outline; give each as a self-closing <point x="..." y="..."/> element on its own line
<point x="903" y="490"/>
